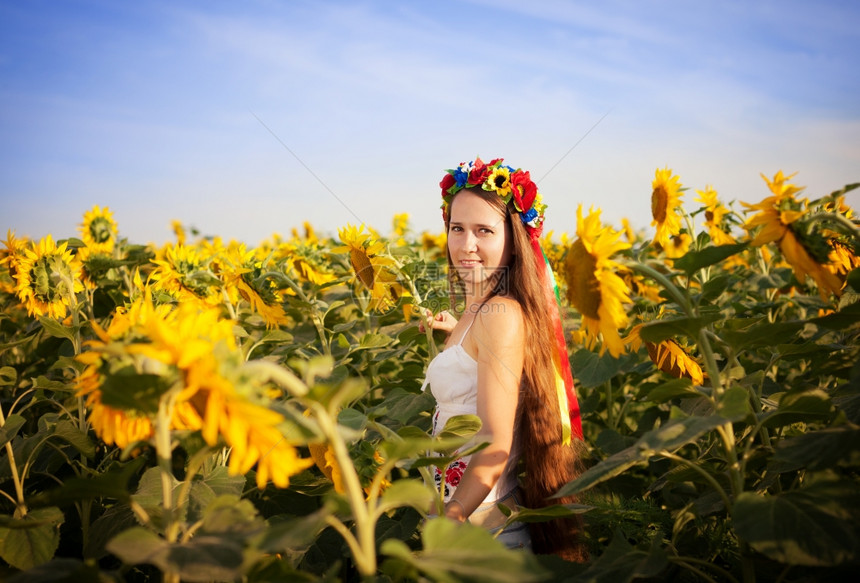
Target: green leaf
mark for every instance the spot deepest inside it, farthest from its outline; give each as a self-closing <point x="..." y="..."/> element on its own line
<point x="404" y="492"/>
<point x="819" y="450"/>
<point x="805" y="406"/>
<point x="294" y="533"/>
<point x="221" y="482"/>
<point x="694" y="260"/>
<point x="659" y="330"/>
<point x="204" y="558"/>
<point x="454" y="552"/>
<point x="673" y="389"/>
<point x="71" y="433"/>
<point x="112" y="483"/>
<point x="137" y="545"/>
<point x="853" y="279"/>
<point x="734" y="404"/>
<point x="761" y="335"/>
<point x="592" y="370"/>
<point x="56" y="329"/>
<point x="131" y="391"/>
<point x="8" y="376"/>
<point x="814" y="525"/>
<point x="232" y="516"/>
<point x="14" y="422"/>
<point x="622" y="563"/>
<point x="59" y="571"/>
<point x="715" y="286"/>
<point x="671" y="436"/>
<point x="547" y="513"/>
<point x="845" y="317"/>
<point x="33" y="539"/>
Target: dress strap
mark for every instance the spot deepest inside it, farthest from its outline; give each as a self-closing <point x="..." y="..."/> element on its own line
<point x="463" y="337"/>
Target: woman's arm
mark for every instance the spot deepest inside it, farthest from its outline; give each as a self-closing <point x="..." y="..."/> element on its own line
<point x="497" y="336"/>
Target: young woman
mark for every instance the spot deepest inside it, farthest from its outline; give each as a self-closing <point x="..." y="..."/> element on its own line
<point x="505" y="360"/>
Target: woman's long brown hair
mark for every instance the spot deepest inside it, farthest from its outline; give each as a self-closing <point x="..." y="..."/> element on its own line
<point x="549" y="464"/>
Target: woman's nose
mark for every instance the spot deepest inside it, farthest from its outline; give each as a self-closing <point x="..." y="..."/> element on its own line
<point x="470" y="242"/>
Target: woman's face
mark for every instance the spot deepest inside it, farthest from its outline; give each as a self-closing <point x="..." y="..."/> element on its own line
<point x="479" y="241"/>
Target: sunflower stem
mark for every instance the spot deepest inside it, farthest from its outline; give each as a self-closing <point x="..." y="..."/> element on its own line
<point x="364" y="546"/>
<point x="164" y="453"/>
<point x="682" y="300"/>
<point x="21" y="508"/>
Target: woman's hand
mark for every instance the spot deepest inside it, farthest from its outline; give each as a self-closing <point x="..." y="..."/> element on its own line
<point x="442" y="321"/>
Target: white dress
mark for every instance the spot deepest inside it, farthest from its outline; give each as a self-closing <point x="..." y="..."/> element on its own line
<point x="453" y="379"/>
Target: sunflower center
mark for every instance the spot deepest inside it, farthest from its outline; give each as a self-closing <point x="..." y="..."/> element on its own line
<point x="583" y="289"/>
<point x="709" y="216"/>
<point x="100" y="230"/>
<point x="45" y="280"/>
<point x="659" y="204"/>
<point x="363" y="267"/>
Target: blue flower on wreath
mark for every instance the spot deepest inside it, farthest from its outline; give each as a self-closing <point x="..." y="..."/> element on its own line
<point x="529" y="215"/>
<point x="461" y="175"/>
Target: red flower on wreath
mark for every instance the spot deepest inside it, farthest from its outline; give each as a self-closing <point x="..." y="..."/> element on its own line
<point x="479" y="172"/>
<point x="524" y="190"/>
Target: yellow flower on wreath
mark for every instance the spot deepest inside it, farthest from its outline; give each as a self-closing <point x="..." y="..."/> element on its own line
<point x="594" y="287"/>
<point x="47" y="277"/>
<point x="665" y="206"/>
<point x="192" y="351"/>
<point x="99" y="231"/>
<point x="772" y="224"/>
<point x="715" y="214"/>
<point x="375" y="271"/>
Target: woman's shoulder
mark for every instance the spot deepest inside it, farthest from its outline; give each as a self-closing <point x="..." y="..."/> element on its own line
<point x="501" y="315"/>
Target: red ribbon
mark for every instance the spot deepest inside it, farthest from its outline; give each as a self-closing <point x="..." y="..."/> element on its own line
<point x="554" y="308"/>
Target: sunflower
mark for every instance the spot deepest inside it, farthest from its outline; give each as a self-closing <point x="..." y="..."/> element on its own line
<point x="593" y="285"/>
<point x="306" y="261"/>
<point x="715" y="212"/>
<point x="665" y="206"/>
<point x="99" y="231"/>
<point x="179" y="231"/>
<point x="247" y="278"/>
<point x="10" y="257"/>
<point x="774" y="223"/>
<point x="842" y="258"/>
<point x="184" y="272"/>
<point x="400" y="227"/>
<point x="669" y="357"/>
<point x="190" y="353"/>
<point x="47" y="276"/>
<point x="435" y="243"/>
<point x="678" y="245"/>
<point x="628" y="231"/>
<point x="374" y="271"/>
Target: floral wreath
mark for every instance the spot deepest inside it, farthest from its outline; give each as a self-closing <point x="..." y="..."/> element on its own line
<point x="508" y="183"/>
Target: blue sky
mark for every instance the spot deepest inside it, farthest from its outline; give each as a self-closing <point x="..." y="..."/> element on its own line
<point x="246" y="118"/>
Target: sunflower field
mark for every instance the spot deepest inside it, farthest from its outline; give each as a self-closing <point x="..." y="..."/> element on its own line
<point x="208" y="411"/>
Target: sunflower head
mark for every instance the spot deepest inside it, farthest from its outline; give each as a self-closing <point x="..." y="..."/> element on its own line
<point x="99" y="230"/>
<point x="373" y="268"/>
<point x="594" y="286"/>
<point x="48" y="276"/>
<point x="665" y="205"/>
